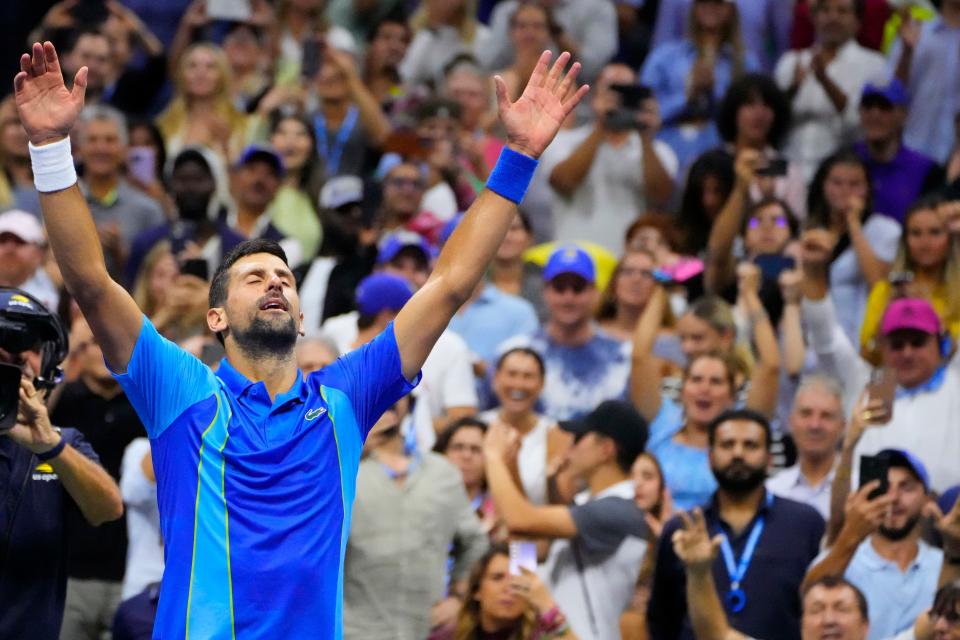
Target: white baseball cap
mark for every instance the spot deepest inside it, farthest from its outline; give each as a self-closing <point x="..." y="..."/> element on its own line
<point x="25" y="226"/>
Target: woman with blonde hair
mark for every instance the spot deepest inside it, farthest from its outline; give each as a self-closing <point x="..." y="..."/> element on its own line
<point x="443" y="29"/>
<point x="502" y="606"/>
<point x="690" y="76"/>
<point x="202" y="110"/>
<point x="927" y="265"/>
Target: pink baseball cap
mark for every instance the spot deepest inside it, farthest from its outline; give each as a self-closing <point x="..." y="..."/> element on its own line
<point x="910" y="313"/>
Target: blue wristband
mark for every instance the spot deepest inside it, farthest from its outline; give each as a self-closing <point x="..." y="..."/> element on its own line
<point x="511" y="176"/>
<point x="52" y="453"/>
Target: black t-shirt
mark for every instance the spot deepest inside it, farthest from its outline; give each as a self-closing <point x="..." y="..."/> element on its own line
<point x="99" y="553"/>
<point x="37" y="521"/>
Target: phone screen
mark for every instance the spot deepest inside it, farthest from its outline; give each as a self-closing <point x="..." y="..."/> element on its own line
<point x="883" y="387"/>
<point x="233" y="10"/>
<point x="874" y="468"/>
<point x="196" y="267"/>
<point x="142" y="163"/>
<point x="772" y="265"/>
<point x="523" y="555"/>
<point x="775" y="168"/>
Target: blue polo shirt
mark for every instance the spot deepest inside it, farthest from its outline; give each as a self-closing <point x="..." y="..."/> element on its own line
<point x="492" y="318"/>
<point x="899" y="183"/>
<point x="255" y="496"/>
<point x="37" y="521"/>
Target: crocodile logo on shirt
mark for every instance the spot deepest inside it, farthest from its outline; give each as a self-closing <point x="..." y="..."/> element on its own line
<point x="313" y="414"/>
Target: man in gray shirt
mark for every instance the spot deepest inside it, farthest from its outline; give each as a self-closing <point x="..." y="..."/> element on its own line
<point x="411" y="509"/>
<point x="599" y="541"/>
<point x="120" y="210"/>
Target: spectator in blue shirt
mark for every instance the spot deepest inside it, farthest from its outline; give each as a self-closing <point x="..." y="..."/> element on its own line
<point x="925" y="60"/>
<point x="880" y="550"/>
<point x="690" y="76"/>
<point x="257" y="466"/>
<point x="769" y="541"/>
<point x="765" y="25"/>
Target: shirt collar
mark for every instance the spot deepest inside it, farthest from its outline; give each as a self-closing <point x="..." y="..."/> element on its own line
<point x="932" y="385"/>
<point x="237" y="383"/>
<point x="712" y="508"/>
<point x="875" y="562"/>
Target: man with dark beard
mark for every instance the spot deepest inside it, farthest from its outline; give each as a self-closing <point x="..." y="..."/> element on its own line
<point x="880" y="551"/>
<point x="192" y="177"/>
<point x="256" y="465"/>
<point x="766" y="541"/>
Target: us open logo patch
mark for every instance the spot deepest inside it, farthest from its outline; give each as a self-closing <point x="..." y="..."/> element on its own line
<point x="44" y="473"/>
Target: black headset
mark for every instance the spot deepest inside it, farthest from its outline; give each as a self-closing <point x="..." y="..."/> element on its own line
<point x="26" y="324"/>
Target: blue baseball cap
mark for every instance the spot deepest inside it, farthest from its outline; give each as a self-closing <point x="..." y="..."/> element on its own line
<point x="903" y="458"/>
<point x="893" y="92"/>
<point x="394" y="243"/>
<point x="570" y="259"/>
<point x="382" y="291"/>
<point x="948" y="498"/>
<point x="262" y="153"/>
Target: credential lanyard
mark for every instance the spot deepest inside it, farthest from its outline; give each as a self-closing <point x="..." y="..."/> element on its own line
<point x="736" y="598"/>
<point x="332" y="157"/>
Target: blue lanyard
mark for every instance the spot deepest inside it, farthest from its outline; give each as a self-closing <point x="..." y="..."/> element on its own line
<point x="736" y="599"/>
<point x="331" y="157"/>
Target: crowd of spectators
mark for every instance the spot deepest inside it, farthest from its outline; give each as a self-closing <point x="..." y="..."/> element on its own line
<point x="711" y="374"/>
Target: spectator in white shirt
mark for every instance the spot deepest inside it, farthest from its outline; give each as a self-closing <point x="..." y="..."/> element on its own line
<point x="138" y="484"/>
<point x="824" y="84"/>
<point x="926" y="410"/>
<point x="605" y="174"/>
<point x="816" y="424"/>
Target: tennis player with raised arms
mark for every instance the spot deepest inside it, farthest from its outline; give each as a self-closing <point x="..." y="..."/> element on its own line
<point x="256" y="466"/>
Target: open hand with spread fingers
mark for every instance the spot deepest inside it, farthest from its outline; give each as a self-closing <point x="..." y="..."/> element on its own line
<point x="534" y="119"/>
<point x="47" y="108"/>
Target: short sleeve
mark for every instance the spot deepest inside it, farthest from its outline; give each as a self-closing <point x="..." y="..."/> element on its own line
<point x="667" y="157"/>
<point x="76" y="440"/>
<point x="162" y="380"/>
<point x="603" y="524"/>
<point x="372" y="378"/>
<point x="666" y="423"/>
<point x="884" y="236"/>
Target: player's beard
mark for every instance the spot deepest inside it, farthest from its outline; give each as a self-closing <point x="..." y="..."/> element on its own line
<point x="267" y="339"/>
<point x="899" y="533"/>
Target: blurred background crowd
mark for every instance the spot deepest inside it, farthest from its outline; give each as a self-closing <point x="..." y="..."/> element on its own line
<point x="733" y="284"/>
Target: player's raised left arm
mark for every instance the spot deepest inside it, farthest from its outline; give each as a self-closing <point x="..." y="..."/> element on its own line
<point x="531" y="124"/>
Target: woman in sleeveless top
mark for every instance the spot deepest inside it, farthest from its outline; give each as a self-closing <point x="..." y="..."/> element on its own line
<point x="517" y="383"/>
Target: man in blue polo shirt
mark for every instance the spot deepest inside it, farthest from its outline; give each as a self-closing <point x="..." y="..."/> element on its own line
<point x="256" y="465"/>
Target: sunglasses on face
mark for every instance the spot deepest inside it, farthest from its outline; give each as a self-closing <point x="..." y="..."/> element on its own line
<point x="410" y="183"/>
<point x="899" y="343"/>
<point x="561" y="285"/>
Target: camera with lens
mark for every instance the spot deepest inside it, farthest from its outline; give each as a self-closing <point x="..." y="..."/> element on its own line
<point x="27" y="325"/>
<point x="624" y="117"/>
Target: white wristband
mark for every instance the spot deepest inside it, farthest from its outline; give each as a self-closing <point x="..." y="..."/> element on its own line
<point x="53" y="168"/>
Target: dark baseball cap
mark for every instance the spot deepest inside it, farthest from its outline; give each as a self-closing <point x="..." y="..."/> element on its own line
<point x="615" y="419"/>
<point x="262" y="153"/>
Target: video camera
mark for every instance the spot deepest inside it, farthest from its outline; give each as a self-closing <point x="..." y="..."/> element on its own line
<point x="27" y="325"/>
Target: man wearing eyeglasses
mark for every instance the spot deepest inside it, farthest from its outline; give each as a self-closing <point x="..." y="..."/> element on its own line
<point x="584" y="365"/>
<point x="926" y="408"/>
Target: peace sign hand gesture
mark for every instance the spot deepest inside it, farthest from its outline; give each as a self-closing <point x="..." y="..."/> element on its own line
<point x="693" y="544"/>
<point x="47" y="109"/>
<point x="534" y="119"/>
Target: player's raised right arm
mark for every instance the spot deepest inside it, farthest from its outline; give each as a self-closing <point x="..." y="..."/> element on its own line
<point x="48" y="111"/>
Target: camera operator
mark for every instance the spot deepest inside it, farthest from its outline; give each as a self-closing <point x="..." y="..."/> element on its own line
<point x="49" y="477"/>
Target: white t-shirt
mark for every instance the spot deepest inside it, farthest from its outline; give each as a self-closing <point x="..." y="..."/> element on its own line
<point x="447" y="373"/>
<point x="612" y="195"/>
<point x="848" y="286"/>
<point x="145" y="543"/>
